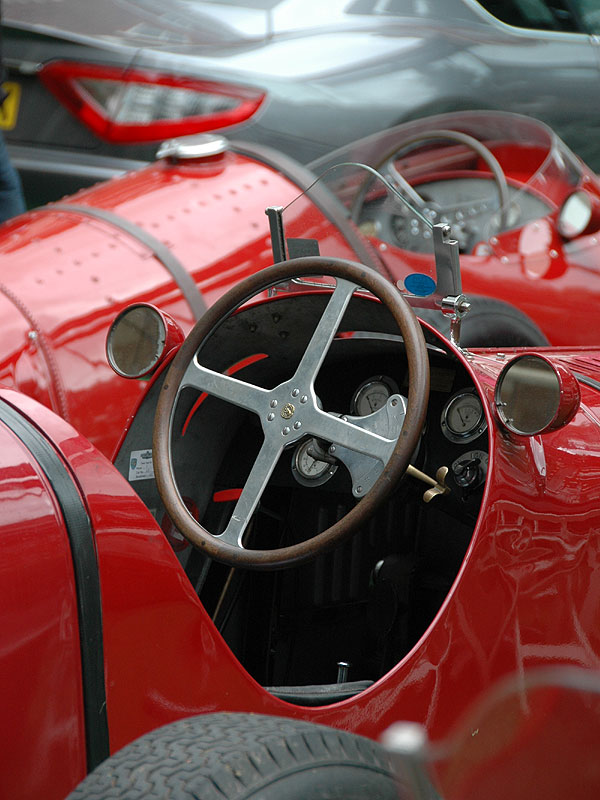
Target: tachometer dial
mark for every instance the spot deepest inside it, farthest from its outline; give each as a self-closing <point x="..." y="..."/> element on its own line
<point x="462" y="418"/>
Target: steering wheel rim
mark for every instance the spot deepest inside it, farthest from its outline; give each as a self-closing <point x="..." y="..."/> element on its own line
<point x="441" y="134"/>
<point x="184" y="367"/>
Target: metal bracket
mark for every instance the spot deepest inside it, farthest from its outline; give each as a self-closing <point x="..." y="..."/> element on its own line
<point x="447" y="264"/>
<point x="454" y="304"/>
<point x="275" y="215"/>
<point x="455" y="308"/>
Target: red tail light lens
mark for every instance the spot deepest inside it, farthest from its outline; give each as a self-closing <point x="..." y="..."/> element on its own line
<point x="130" y="105"/>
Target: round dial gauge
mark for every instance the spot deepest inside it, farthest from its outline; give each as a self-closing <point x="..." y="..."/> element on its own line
<point x="462" y="418"/>
<point x="308" y="470"/>
<point x="372" y="395"/>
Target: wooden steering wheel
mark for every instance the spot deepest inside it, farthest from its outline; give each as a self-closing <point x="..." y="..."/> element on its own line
<point x="291" y="411"/>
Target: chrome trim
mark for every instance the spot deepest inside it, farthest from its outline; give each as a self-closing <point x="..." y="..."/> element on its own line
<point x="203" y="145"/>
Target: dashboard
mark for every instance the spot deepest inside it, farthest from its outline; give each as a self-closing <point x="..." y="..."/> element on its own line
<point x="468" y="204"/>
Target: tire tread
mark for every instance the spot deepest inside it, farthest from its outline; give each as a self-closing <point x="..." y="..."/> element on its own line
<point x="227" y="756"/>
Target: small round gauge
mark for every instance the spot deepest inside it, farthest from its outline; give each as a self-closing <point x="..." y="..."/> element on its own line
<point x="308" y="470"/>
<point x="462" y="418"/>
<point x="373" y="394"/>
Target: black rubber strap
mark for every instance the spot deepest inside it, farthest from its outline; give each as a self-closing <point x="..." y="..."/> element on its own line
<point x="174" y="267"/>
<point x="87" y="579"/>
<point x="588" y="381"/>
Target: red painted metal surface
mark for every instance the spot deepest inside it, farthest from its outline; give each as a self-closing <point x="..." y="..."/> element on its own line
<point x="531" y="735"/>
<point x="41" y="734"/>
<point x="66" y="276"/>
<point x="526" y="595"/>
<point x="527" y="592"/>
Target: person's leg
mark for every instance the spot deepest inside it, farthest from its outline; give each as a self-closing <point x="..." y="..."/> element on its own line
<point x="11" y="192"/>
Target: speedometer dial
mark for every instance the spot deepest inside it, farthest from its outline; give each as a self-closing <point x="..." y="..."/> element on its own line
<point x="462" y="418"/>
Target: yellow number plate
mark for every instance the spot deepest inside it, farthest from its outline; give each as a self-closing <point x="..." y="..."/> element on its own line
<point x="10" y="107"/>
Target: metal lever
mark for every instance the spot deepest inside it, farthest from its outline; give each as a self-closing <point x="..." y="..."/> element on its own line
<point x="438" y="484"/>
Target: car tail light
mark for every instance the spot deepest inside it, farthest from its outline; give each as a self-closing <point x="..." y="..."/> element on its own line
<point x="133" y="105"/>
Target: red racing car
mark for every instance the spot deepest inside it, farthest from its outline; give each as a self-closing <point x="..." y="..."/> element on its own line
<point x="323" y="516"/>
<point x="179" y="233"/>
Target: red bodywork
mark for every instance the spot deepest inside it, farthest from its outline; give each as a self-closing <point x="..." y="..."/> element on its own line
<point x="526" y="595"/>
<point x="66" y="274"/>
<point x="520" y="591"/>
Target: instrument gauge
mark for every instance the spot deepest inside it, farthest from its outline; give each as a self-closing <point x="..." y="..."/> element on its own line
<point x="307" y="468"/>
<point x="463" y="418"/>
<point x="373" y="394"/>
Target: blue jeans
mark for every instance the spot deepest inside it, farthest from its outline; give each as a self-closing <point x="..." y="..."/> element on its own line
<point x="11" y="191"/>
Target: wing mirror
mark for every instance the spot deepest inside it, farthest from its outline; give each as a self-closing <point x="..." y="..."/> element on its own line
<point x="579" y="214"/>
<point x="139" y="340"/>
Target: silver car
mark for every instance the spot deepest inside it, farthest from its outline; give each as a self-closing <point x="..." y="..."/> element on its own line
<point x="95" y="86"/>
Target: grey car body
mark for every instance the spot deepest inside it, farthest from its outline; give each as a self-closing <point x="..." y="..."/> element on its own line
<point x="331" y="71"/>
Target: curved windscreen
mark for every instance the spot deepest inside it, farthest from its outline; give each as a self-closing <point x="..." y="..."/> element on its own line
<point x="483" y="173"/>
<point x="427" y="280"/>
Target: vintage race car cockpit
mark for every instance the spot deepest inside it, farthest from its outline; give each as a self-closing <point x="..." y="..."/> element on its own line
<point x="328" y="510"/>
<point x="315" y="456"/>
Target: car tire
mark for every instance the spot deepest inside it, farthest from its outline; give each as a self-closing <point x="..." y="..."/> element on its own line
<point x="489" y="323"/>
<point x="250" y="756"/>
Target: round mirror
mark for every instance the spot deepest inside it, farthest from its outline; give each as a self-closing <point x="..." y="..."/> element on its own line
<point x="136" y="341"/>
<point x="533" y="395"/>
<point x="575" y="215"/>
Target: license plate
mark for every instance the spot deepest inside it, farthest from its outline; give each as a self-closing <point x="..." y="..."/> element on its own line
<point x="10" y="107"/>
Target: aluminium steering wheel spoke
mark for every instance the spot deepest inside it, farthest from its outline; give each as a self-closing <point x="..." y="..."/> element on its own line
<point x="340" y="432"/>
<point x="225" y="387"/>
<point x="254" y="487"/>
<point x="324" y="332"/>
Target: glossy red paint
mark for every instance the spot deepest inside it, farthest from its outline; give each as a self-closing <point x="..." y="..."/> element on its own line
<point x="59" y="315"/>
<point x="532" y="268"/>
<point x="534" y="735"/>
<point x="40" y="672"/>
<point x="526" y="592"/>
<point x="66" y="275"/>
<point x="526" y="595"/>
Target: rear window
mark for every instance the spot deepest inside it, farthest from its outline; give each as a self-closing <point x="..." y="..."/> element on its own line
<point x="557" y="15"/>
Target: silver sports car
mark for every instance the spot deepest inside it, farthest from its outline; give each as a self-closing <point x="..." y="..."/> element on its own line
<point x="95" y="85"/>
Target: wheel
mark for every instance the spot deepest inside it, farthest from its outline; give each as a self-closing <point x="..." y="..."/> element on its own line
<point x="490" y="323"/>
<point x="387" y="168"/>
<point x="242" y="756"/>
<point x="293" y="409"/>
